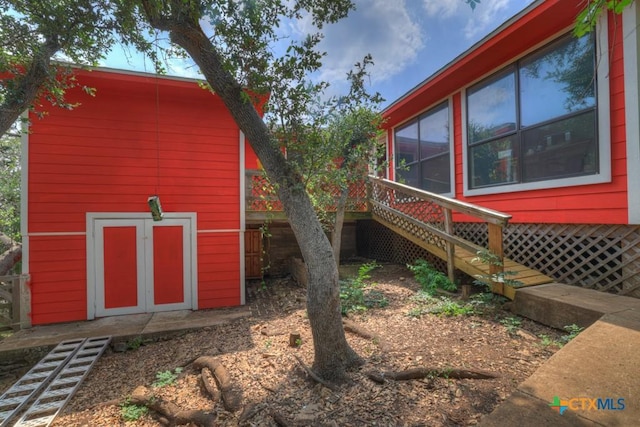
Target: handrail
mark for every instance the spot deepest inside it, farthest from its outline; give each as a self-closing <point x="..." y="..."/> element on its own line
<point x="434" y="214"/>
<point x="489" y="215"/>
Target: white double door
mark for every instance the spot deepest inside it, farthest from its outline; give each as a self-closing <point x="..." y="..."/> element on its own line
<point x="142" y="266"/>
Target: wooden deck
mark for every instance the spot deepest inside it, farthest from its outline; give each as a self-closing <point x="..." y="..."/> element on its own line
<point x="427" y="221"/>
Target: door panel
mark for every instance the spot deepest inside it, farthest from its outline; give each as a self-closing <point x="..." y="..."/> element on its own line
<point x="168" y="266"/>
<point x="120" y="267"/>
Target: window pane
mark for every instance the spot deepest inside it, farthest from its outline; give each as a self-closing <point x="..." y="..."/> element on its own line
<point x="435" y="174"/>
<point x="407" y="144"/>
<point x="494" y="162"/>
<point x="409" y="176"/>
<point x="562" y="149"/>
<point x="492" y="109"/>
<point x="558" y="81"/>
<point x="434" y="133"/>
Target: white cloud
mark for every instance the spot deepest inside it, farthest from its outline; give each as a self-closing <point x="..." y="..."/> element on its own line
<point x="380" y="27"/>
<point x="473" y="22"/>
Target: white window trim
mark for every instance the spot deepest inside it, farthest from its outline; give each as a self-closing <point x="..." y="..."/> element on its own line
<point x="630" y="21"/>
<point x="452" y="156"/>
<point x="604" y="131"/>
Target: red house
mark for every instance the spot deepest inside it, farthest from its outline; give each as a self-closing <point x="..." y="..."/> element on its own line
<point x="91" y="246"/>
<point x="544" y="126"/>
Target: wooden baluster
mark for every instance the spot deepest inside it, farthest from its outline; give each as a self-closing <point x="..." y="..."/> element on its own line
<point x="451" y="248"/>
<point x="496" y="247"/>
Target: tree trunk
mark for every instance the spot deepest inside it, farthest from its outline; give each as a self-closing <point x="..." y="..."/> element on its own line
<point x="333" y="355"/>
<point x="336" y="236"/>
<point x="27" y="86"/>
<point x="11" y="256"/>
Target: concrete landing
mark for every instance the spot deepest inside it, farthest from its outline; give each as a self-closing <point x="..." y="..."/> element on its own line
<point x="601" y="363"/>
<point x="119" y="327"/>
<point x="558" y="305"/>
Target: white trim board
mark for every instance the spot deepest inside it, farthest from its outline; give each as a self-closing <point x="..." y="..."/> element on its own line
<point x="141" y="220"/>
<point x="631" y="40"/>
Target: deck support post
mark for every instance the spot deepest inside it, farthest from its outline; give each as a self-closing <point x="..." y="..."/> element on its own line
<point x="450" y="247"/>
<point x="496" y="247"/>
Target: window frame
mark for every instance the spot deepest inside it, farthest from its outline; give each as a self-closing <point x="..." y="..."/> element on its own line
<point x="448" y="104"/>
<point x="602" y="111"/>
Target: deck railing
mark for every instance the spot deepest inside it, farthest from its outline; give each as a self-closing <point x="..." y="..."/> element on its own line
<point x="431" y="218"/>
<point x="15" y="302"/>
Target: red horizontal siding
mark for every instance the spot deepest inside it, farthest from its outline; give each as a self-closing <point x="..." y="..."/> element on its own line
<point x="114" y="150"/>
<point x="597" y="203"/>
<point x="218" y="269"/>
<point x="58" y="279"/>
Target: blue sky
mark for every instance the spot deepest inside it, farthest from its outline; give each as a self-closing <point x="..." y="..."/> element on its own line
<point x="409" y="40"/>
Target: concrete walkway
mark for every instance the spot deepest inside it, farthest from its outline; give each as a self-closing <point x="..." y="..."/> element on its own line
<point x="603" y="362"/>
<point x="121" y="328"/>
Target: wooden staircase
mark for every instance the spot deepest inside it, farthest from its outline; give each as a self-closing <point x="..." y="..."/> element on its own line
<point x="428" y="220"/>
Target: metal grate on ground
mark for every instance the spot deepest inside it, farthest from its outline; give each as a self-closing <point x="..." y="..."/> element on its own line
<point x="51" y="382"/>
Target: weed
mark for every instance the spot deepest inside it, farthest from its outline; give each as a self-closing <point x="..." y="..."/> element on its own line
<point x="511" y="323"/>
<point x="450" y="308"/>
<point x="298" y="342"/>
<point x="131" y="412"/>
<point x="355" y="297"/>
<point x="135" y="343"/>
<point x="429" y="304"/>
<point x="165" y="378"/>
<point x="484" y="280"/>
<point x="429" y="278"/>
<point x="268" y="343"/>
<point x="547" y="341"/>
<point x="573" y="331"/>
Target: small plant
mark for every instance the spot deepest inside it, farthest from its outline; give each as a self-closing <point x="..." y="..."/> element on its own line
<point x="573" y="331"/>
<point x="298" y="342"/>
<point x="135" y="343"/>
<point x="487" y="257"/>
<point x="268" y="343"/>
<point x="131" y="412"/>
<point x="165" y="378"/>
<point x="429" y="278"/>
<point x="547" y="341"/>
<point x="429" y="304"/>
<point x="511" y="323"/>
<point x="450" y="308"/>
<point x="353" y="293"/>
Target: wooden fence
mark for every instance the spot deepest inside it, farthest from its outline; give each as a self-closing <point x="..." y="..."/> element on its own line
<point x="15" y="302"/>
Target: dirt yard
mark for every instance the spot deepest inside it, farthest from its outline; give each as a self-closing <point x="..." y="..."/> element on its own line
<point x="276" y="390"/>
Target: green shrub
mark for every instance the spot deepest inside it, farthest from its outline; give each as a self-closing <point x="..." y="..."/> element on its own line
<point x="429" y="278"/>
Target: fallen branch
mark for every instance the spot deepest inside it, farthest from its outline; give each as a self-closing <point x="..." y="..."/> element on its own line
<point x="352" y="327"/>
<point x="231" y="397"/>
<point x="314" y="376"/>
<point x="420" y="373"/>
<point x="170" y="410"/>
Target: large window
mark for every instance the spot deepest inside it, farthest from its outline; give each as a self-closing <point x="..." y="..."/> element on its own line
<point x="422" y="151"/>
<point x="535" y="120"/>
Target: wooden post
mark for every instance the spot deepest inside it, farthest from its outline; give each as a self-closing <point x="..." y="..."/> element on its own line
<point x="496" y="247"/>
<point x="451" y="248"/>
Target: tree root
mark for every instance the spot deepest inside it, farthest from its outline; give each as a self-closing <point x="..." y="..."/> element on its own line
<point x="354" y="328"/>
<point x="170" y="411"/>
<point x="315" y="377"/>
<point x="231" y="397"/>
<point x="420" y="373"/>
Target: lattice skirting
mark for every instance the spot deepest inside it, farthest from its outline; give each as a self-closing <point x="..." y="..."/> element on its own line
<point x="601" y="257"/>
